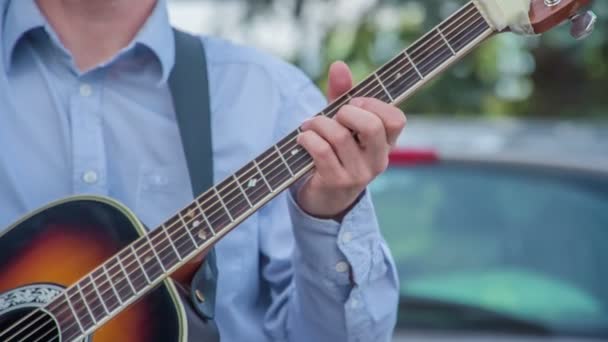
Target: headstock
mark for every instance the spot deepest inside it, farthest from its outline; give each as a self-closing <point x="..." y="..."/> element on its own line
<point x="547" y="14"/>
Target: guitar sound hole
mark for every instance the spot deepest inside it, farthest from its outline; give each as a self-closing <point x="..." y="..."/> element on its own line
<point x="39" y="327"/>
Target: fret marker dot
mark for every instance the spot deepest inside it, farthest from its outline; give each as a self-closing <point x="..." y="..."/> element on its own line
<point x="398" y="75"/>
<point x="190" y="214"/>
<point x="202" y="234"/>
<point x="252" y="183"/>
<point x="196" y="224"/>
<point x="295" y="151"/>
<point x="147" y="259"/>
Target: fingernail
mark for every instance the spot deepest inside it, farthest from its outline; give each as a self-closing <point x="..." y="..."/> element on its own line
<point x="357" y="102"/>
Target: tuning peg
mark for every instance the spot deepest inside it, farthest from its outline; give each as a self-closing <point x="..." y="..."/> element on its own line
<point x="583" y="25"/>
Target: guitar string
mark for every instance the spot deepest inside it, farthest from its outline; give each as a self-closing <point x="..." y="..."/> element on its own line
<point x="242" y="202"/>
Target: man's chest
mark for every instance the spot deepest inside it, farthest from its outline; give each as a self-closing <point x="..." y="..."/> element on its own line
<point x="98" y="134"/>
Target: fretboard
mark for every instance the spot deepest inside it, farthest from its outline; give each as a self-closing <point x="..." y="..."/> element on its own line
<point x="145" y="263"/>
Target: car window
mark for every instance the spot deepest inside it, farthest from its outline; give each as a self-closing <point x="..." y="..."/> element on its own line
<point x="528" y="242"/>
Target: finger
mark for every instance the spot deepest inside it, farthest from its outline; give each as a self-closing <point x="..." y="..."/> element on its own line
<point x="368" y="126"/>
<point x="340" y="80"/>
<point x="371" y="132"/>
<point x="341" y="140"/>
<point x="325" y="159"/>
<point x="393" y="118"/>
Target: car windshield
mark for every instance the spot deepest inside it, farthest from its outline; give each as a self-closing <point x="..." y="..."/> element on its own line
<point x="522" y="243"/>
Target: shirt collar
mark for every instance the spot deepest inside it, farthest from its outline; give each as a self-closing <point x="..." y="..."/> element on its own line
<point x="157" y="35"/>
<point x="23" y="16"/>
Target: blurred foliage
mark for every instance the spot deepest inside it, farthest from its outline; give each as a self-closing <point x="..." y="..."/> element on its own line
<point x="547" y="76"/>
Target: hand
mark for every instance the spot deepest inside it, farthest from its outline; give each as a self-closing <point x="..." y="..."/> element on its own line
<point x="345" y="165"/>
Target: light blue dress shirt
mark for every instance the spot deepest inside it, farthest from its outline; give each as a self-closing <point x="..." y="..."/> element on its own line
<point x="283" y="275"/>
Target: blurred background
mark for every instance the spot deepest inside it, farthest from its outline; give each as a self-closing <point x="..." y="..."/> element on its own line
<point x="509" y="76"/>
<point x="495" y="205"/>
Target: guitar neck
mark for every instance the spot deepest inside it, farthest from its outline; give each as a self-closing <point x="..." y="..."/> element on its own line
<point x="145" y="263"/>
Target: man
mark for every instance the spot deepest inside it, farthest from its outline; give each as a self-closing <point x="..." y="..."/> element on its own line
<point x="85" y="108"/>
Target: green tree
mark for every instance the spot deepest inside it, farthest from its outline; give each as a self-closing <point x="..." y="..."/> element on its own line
<point x="548" y="76"/>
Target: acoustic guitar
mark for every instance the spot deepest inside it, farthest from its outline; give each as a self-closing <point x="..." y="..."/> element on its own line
<point x="86" y="269"/>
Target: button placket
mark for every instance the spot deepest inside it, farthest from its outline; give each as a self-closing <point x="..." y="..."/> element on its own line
<point x="88" y="145"/>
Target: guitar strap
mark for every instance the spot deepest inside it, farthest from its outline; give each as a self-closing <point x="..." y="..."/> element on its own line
<point x="189" y="85"/>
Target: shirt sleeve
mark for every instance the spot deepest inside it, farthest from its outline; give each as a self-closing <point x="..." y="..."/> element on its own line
<point x="329" y="281"/>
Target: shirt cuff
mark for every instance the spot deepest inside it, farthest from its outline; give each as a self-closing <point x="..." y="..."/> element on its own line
<point x="342" y="253"/>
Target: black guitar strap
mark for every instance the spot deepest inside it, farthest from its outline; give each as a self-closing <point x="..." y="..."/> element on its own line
<point x="189" y="87"/>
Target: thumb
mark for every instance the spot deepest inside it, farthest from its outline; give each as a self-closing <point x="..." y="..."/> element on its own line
<point x="340" y="80"/>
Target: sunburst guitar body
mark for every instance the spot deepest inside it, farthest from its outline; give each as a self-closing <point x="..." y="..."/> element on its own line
<point x="53" y="248"/>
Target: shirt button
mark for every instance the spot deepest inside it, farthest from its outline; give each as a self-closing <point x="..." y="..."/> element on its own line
<point x="85" y="90"/>
<point x="341" y="267"/>
<point x="90" y="177"/>
<point x="347" y="237"/>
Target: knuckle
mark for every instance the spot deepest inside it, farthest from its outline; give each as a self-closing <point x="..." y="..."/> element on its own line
<point x="345" y="113"/>
<point x="342" y="137"/>
<point x="374" y="127"/>
<point x="397" y="122"/>
<point x="324" y="151"/>
<point x="344" y="182"/>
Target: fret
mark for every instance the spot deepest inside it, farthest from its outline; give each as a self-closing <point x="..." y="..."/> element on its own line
<point x="399" y="75"/>
<point x="242" y="190"/>
<point x="294" y="153"/>
<point x="276" y="148"/>
<point x="109" y="296"/>
<point x="151" y="264"/>
<point x="67" y="298"/>
<point x="86" y="305"/>
<point x="253" y="183"/>
<point x="197" y="223"/>
<point x="464" y="28"/>
<point x="164" y="230"/>
<point x="160" y="262"/>
<point x="84" y="316"/>
<point x="126" y="275"/>
<point x="215" y="211"/>
<point x="409" y="58"/>
<point x="274" y="169"/>
<point x="67" y="323"/>
<point x="223" y="204"/>
<point x="105" y="271"/>
<point x="333" y="108"/>
<point x="99" y="296"/>
<point x="122" y="284"/>
<point x="233" y="198"/>
<point x="183" y="241"/>
<point x="369" y="87"/>
<point x="429" y="53"/>
<point x="262" y="175"/>
<point x="131" y="267"/>
<point x="390" y="97"/>
<point x="446" y="41"/>
<point x="194" y="243"/>
<point x="92" y="300"/>
<point x="140" y="265"/>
